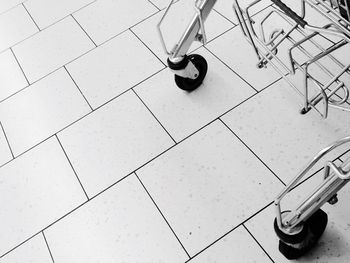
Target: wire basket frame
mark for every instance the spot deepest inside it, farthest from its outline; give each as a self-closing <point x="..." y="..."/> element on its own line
<point x="281" y="46"/>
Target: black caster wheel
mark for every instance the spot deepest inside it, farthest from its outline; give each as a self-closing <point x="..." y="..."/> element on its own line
<point x="295" y="246"/>
<point x="303" y="111"/>
<point x="191" y="84"/>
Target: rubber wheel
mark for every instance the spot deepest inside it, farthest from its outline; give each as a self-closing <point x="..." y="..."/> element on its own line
<point x="293" y="248"/>
<point x="291" y="239"/>
<point x="191" y="84"/>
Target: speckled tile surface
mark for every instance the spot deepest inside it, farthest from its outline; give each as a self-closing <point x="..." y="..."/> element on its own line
<point x="104" y="158"/>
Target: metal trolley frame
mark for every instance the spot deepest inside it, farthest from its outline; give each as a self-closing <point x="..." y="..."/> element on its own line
<point x="333" y="93"/>
<point x="295" y="227"/>
<point x="300" y="228"/>
<point x="190" y="70"/>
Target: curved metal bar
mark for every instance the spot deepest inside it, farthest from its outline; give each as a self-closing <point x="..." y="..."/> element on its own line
<point x="308" y="167"/>
<point x="159" y="29"/>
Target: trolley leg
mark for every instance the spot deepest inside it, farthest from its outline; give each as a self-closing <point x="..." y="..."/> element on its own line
<point x="299" y="229"/>
<point x="190" y="70"/>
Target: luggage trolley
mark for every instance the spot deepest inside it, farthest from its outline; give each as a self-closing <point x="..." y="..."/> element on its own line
<point x="268" y="48"/>
<point x="300" y="228"/>
<point x="189" y="70"/>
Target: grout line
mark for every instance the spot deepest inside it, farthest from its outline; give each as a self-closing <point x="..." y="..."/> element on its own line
<point x="72" y="167"/>
<point x="253" y="152"/>
<point x="31" y="17"/>
<point x="12" y="7"/>
<point x="147" y="47"/>
<point x="26" y="240"/>
<point x="154" y="116"/>
<point x="163" y="216"/>
<point x="47" y="244"/>
<point x="71" y="61"/>
<point x="258" y="243"/>
<point x="230" y="69"/>
<point x="76" y="58"/>
<point x="77" y="120"/>
<point x="78" y="88"/>
<point x="211" y="40"/>
<point x="150" y="76"/>
<point x="73" y="12"/>
<point x="84" y="30"/>
<point x="341" y="157"/>
<point x="127" y="29"/>
<point x="18" y="91"/>
<point x="210" y="122"/>
<point x="13" y="53"/>
<point x="26" y="151"/>
<point x="8" y="143"/>
<point x="223" y="16"/>
<point x="230" y="231"/>
<point x="154" y="5"/>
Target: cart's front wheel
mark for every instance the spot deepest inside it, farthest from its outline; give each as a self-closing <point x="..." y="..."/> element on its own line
<point x="191" y="84"/>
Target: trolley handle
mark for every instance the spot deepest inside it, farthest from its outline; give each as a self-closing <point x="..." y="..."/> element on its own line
<point x="289" y="12"/>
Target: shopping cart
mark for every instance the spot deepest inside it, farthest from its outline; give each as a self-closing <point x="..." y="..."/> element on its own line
<point x="189" y="70"/>
<point x="300" y="228"/>
<point x="282" y="45"/>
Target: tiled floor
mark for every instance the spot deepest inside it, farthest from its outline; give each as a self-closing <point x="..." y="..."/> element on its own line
<point x="104" y="159"/>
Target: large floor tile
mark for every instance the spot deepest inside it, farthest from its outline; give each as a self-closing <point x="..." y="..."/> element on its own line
<point x="238" y="54"/>
<point x="120" y="225"/>
<point x="333" y="247"/>
<point x="183" y="113"/>
<point x="271" y="125"/>
<point x="174" y="25"/>
<point x="35" y="190"/>
<point x="47" y="12"/>
<point x="207" y="185"/>
<point x="52" y="48"/>
<point x="5" y="152"/>
<point x="104" y="19"/>
<point x="15" y="25"/>
<point x="238" y="246"/>
<point x="33" y="251"/>
<point x="113" y="141"/>
<point x="6" y="5"/>
<point x="113" y="68"/>
<point x="41" y="110"/>
<point x="11" y="76"/>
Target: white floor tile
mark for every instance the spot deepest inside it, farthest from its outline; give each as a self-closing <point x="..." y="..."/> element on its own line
<point x="271" y="125"/>
<point x="174" y="25"/>
<point x="333" y="247"/>
<point x="41" y="110"/>
<point x="113" y="68"/>
<point x="15" y="26"/>
<point x="238" y="54"/>
<point x="35" y="190"/>
<point x="5" y="152"/>
<point x="11" y="76"/>
<point x="226" y="8"/>
<point x="113" y="141"/>
<point x="238" y="246"/>
<point x="5" y="5"/>
<point x="183" y="113"/>
<point x="52" y="48"/>
<point x="207" y="185"/>
<point x="107" y="18"/>
<point x="162" y="3"/>
<point x="121" y="225"/>
<point x="47" y="12"/>
<point x="32" y="251"/>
